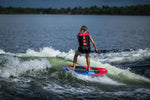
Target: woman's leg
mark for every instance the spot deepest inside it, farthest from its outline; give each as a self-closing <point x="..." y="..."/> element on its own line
<point x="75" y="59"/>
<point x="88" y="60"/>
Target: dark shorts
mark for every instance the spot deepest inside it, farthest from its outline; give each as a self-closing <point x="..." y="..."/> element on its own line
<point x="84" y="49"/>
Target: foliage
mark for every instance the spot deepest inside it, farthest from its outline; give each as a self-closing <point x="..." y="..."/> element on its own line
<point x="94" y="10"/>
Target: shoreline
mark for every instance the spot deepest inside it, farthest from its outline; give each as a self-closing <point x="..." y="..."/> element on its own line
<point x="142" y="10"/>
<point x="76" y="14"/>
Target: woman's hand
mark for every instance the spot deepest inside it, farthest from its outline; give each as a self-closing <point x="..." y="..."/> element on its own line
<point x="96" y="50"/>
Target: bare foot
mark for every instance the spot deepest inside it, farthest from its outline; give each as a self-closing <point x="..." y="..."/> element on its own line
<point x="72" y="68"/>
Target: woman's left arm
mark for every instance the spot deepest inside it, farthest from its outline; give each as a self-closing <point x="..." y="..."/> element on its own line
<point x="93" y="43"/>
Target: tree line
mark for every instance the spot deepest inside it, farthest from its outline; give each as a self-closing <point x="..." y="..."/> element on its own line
<point x="94" y="10"/>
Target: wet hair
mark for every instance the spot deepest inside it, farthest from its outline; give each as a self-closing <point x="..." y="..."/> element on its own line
<point x="83" y="29"/>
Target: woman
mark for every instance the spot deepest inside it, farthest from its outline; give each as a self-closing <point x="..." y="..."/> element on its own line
<point x="84" y="39"/>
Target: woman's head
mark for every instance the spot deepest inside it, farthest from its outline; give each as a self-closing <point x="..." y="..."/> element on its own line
<point x="83" y="29"/>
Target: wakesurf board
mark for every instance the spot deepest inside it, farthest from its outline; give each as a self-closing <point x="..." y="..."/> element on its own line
<point x="84" y="70"/>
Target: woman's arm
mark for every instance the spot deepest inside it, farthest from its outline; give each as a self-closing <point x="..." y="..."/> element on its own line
<point x="93" y="44"/>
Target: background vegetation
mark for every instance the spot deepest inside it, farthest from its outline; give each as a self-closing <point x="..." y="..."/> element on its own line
<point x="94" y="10"/>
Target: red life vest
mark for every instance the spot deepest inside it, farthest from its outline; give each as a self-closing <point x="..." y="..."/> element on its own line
<point x="84" y="39"/>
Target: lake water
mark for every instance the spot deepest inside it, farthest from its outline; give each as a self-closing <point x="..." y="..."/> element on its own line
<point x="33" y="48"/>
<point x="21" y="32"/>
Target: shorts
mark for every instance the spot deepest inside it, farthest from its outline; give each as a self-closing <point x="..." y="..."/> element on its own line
<point x="84" y="49"/>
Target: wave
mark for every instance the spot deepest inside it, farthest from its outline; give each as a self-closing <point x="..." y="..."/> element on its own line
<point x="131" y="56"/>
<point x="13" y="66"/>
<point x="48" y="59"/>
<point x="111" y="56"/>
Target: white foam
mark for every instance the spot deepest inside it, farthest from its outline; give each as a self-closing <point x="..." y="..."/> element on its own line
<point x="14" y="66"/>
<point x="67" y="56"/>
<point x="43" y="52"/>
<point x="125" y="57"/>
<point x="112" y="57"/>
<point x="99" y="79"/>
<point x="2" y="51"/>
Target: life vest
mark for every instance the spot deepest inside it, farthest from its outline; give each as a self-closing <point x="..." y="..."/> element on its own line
<point x="84" y="39"/>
